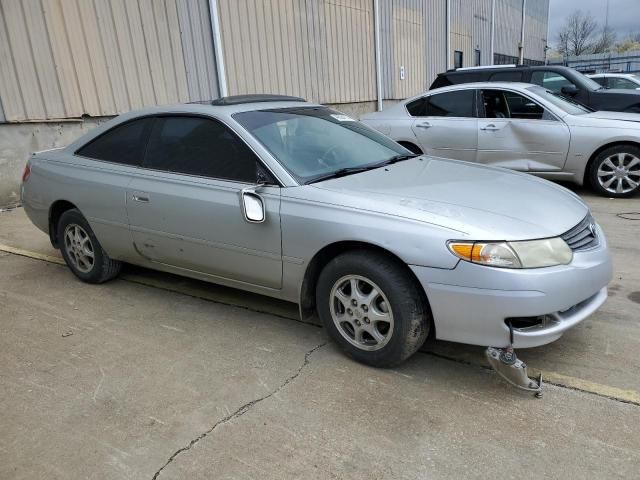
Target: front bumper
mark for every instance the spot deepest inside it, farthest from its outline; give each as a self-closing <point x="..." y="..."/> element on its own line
<point x="470" y="303"/>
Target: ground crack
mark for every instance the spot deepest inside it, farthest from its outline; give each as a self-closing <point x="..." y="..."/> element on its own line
<point x="241" y="411"/>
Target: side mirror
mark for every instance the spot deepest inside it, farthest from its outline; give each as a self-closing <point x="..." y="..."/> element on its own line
<point x="252" y="206"/>
<point x="569" y="90"/>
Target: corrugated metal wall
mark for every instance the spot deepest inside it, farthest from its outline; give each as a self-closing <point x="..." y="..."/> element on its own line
<point x="405" y="47"/>
<point x="535" y="29"/>
<point x="436" y="38"/>
<point x="508" y="26"/>
<point x="482" y="30"/>
<point x="322" y="50"/>
<point x="68" y="58"/>
<point x="462" y="30"/>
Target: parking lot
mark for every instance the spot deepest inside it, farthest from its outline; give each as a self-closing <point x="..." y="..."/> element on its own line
<point x="157" y="376"/>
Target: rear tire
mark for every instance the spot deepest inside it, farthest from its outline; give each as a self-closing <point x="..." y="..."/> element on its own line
<point x="372" y="308"/>
<point x="81" y="250"/>
<point x="615" y="172"/>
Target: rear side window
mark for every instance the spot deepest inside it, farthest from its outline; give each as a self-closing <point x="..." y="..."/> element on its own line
<point x="123" y="144"/>
<point x="202" y="147"/>
<point x="417" y="108"/>
<point x="451" y="104"/>
<point x="506" y="77"/>
<point x="600" y="80"/>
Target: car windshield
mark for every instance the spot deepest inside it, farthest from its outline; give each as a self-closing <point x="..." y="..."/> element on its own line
<point x="590" y="83"/>
<point x="316" y="143"/>
<point x="564" y="103"/>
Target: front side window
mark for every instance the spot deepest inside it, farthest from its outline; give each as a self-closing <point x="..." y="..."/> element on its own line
<point x="314" y="142"/>
<point x="564" y="103"/>
<point x="123" y="144"/>
<point x="200" y="146"/>
<point x="600" y="81"/>
<point x="459" y="103"/>
<point x="550" y="80"/>
<point x="623" y="83"/>
<point x="507" y="104"/>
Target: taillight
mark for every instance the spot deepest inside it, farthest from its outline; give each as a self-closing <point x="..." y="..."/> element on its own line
<point x="27" y="172"/>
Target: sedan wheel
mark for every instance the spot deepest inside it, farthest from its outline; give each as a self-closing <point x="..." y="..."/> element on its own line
<point x="372" y="307"/>
<point x="81" y="250"/>
<point x="620" y="173"/>
<point x="361" y="312"/>
<point x="79" y="247"/>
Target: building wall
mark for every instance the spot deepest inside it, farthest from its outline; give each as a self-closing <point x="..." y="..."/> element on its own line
<point x="66" y="58"/>
<point x="322" y="50"/>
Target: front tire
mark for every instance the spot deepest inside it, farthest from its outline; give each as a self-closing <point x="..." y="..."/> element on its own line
<point x="615" y="172"/>
<point x="81" y="250"/>
<point x="372" y="308"/>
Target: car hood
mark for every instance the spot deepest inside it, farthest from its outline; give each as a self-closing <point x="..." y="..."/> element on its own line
<point x="483" y="203"/>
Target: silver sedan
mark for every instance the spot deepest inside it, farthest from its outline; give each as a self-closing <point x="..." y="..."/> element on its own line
<point x="522" y="127"/>
<point x="296" y="201"/>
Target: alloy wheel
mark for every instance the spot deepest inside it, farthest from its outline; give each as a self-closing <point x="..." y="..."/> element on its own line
<point x="361" y="312"/>
<point x="619" y="173"/>
<point x="79" y="248"/>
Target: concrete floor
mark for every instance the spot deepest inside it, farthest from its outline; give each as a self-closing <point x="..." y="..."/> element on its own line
<point x="152" y="374"/>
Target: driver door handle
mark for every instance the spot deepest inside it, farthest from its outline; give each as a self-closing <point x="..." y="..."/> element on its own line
<point x="424" y="125"/>
<point x="490" y="128"/>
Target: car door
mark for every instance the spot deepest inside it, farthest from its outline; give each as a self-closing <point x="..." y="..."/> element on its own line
<point x="186" y="207"/>
<point x="446" y="124"/>
<point x="101" y="175"/>
<point x="517" y="132"/>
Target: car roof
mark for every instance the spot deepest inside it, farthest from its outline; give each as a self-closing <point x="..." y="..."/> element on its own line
<point x="610" y="74"/>
<point x="472" y="85"/>
<point x="506" y="68"/>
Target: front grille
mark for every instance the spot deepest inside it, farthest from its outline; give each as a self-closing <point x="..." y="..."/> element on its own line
<point x="583" y="236"/>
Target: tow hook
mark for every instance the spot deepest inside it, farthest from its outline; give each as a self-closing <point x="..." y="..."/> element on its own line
<point x="506" y="364"/>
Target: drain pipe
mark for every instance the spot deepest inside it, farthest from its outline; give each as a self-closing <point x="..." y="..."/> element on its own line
<point x="217" y="45"/>
<point x="448" y="35"/>
<point x="376" y="21"/>
<point x="524" y="7"/>
<point x="493" y="31"/>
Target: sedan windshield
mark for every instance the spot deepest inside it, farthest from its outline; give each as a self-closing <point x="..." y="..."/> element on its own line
<point x="317" y="143"/>
<point x="564" y="103"/>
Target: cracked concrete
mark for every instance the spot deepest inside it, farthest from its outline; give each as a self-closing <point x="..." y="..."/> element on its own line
<point x="241" y="410"/>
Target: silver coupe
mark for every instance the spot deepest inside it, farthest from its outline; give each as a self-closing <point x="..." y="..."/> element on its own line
<point x="294" y="200"/>
<point x="523" y="127"/>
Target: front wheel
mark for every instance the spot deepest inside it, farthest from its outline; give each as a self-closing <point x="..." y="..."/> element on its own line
<point x="372" y="308"/>
<point x="615" y="172"/>
<point x="81" y="250"/>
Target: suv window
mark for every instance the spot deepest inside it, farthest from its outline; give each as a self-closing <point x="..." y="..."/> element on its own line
<point x="550" y="80"/>
<point x="624" y="83"/>
<point x="506" y="77"/>
<point x="200" y="146"/>
<point x="506" y="104"/>
<point x="122" y="144"/>
<point x="451" y="104"/>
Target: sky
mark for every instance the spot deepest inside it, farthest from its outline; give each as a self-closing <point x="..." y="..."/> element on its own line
<point x="624" y="15"/>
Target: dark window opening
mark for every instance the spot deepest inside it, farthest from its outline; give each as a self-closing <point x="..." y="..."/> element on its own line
<point x="457" y="59"/>
<point x="478" y="56"/>
<point x="202" y="147"/>
<point x="123" y="144"/>
<point x="451" y="104"/>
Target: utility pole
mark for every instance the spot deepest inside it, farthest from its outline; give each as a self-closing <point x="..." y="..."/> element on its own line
<point x="521" y="47"/>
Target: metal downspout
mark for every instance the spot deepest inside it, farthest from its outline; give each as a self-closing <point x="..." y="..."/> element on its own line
<point x="379" y="86"/>
<point x="524" y="7"/>
<point x="493" y="31"/>
<point x="217" y="45"/>
<point x="448" y="40"/>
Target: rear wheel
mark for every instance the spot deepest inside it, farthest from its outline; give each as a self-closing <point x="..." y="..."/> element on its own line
<point x="372" y="308"/>
<point x="81" y="250"/>
<point x="615" y="172"/>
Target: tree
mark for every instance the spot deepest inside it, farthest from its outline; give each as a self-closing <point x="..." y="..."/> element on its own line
<point x="606" y="42"/>
<point x="577" y="35"/>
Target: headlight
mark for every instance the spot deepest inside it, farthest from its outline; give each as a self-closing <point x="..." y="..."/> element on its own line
<point x="528" y="254"/>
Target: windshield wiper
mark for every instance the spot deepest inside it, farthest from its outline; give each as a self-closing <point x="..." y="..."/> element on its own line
<point x="399" y="158"/>
<point x="349" y="170"/>
<point x="341" y="173"/>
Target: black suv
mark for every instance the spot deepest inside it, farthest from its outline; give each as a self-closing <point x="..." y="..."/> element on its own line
<point x="564" y="80"/>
